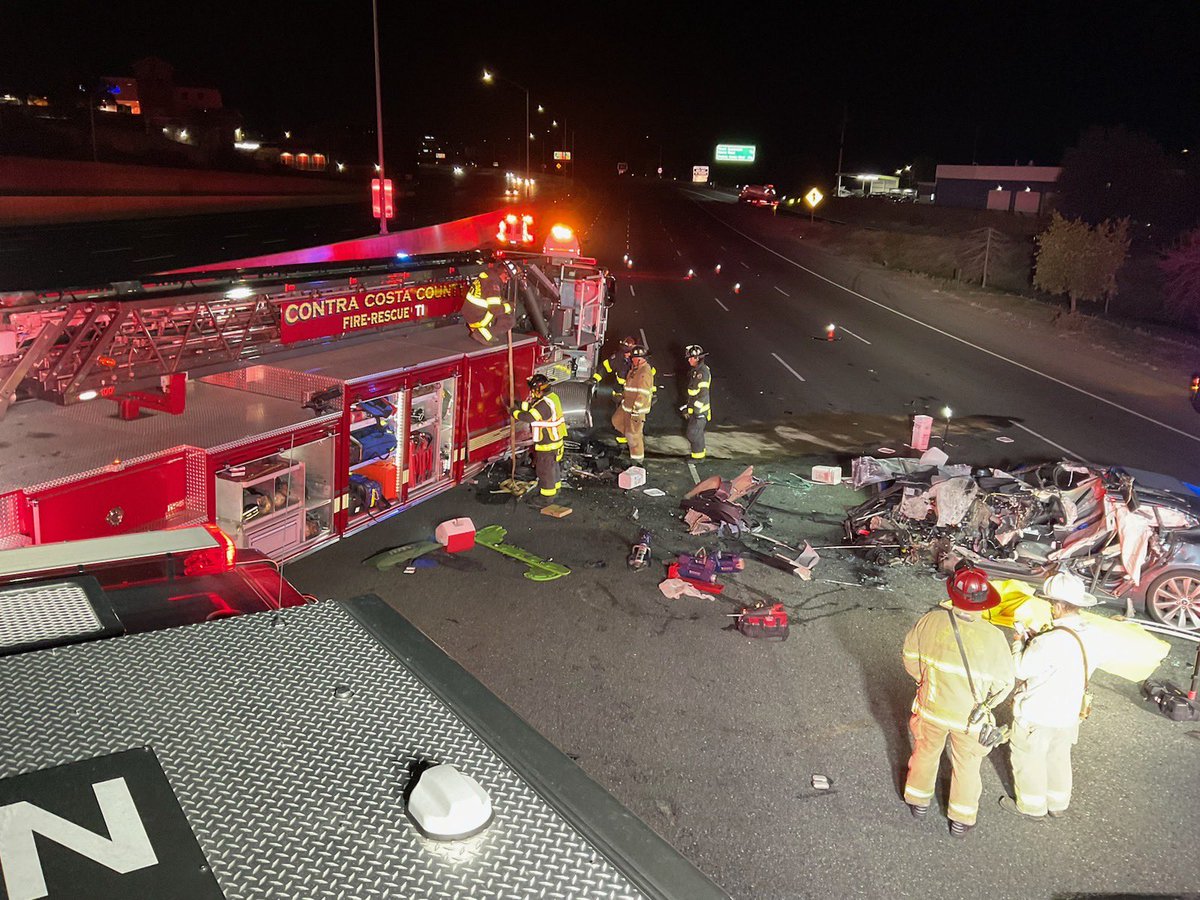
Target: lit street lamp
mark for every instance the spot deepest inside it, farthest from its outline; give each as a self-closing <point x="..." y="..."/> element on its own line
<point x="488" y="78"/>
<point x="946" y="413"/>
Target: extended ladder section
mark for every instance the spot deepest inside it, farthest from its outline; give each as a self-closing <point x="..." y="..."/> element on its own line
<point x="135" y="341"/>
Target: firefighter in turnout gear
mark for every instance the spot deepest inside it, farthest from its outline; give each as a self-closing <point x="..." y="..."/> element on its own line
<point x="963" y="669"/>
<point x="636" y="399"/>
<point x="488" y="315"/>
<point x="616" y="365"/>
<point x="543" y="411"/>
<point x="1054" y="668"/>
<point x="697" y="411"/>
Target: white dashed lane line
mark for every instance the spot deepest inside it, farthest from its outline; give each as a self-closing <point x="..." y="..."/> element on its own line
<point x="112" y="250"/>
<point x="786" y="366"/>
<point x="720" y="304"/>
<point x="645" y="343"/>
<point x="1042" y="437"/>
<point x="744" y="266"/>
<point x="853" y="335"/>
<point x="632" y="292"/>
<point x="153" y="258"/>
<point x="782" y="291"/>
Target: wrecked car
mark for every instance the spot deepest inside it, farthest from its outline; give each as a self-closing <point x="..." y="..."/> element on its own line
<point x="1131" y="534"/>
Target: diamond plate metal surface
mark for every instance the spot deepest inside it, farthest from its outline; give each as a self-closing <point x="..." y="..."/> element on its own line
<point x="44" y="612"/>
<point x="293" y="789"/>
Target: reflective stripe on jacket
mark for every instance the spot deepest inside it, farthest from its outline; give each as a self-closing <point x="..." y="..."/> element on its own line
<point x="699" y="382"/>
<point x="480" y="311"/>
<point x="1050" y="668"/>
<point x="616" y="365"/>
<point x="639" y="390"/>
<point x="932" y="658"/>
<point x="546" y="421"/>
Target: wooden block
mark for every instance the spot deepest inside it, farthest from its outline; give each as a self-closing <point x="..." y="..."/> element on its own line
<point x="556" y="510"/>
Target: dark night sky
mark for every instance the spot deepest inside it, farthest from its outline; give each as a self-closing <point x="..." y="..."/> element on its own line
<point x="918" y="79"/>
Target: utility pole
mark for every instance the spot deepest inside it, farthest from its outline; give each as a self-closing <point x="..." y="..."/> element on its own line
<point x="383" y="227"/>
<point x="837" y="177"/>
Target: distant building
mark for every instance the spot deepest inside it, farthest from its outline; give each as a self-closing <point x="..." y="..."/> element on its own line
<point x="120" y="95"/>
<point x="1023" y="189"/>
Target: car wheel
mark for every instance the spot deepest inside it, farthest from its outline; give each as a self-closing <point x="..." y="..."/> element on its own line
<point x="1173" y="598"/>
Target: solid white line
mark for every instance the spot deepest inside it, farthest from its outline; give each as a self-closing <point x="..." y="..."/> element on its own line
<point x="954" y="337"/>
<point x="853" y="335"/>
<point x="786" y="366"/>
<point x="645" y="343"/>
<point x="1042" y="437"/>
<point x="720" y="304"/>
<point x="782" y="291"/>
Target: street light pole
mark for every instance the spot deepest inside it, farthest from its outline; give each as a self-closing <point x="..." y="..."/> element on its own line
<point x="528" y="139"/>
<point x="383" y="228"/>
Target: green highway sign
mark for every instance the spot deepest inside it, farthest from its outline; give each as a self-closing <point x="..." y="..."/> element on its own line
<point x="742" y="153"/>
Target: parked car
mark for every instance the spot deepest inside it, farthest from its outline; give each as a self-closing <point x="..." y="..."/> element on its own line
<point x="758" y="194"/>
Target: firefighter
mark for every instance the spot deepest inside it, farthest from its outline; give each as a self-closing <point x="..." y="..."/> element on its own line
<point x="616" y="365"/>
<point x="543" y="411"/>
<point x="488" y="315"/>
<point x="1054" y="668"/>
<point x="636" y="399"/>
<point x="963" y="669"/>
<point x="697" y="411"/>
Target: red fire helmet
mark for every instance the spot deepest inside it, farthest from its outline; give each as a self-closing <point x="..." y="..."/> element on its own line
<point x="969" y="589"/>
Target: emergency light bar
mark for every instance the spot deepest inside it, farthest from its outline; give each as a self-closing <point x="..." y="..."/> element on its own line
<point x="202" y="541"/>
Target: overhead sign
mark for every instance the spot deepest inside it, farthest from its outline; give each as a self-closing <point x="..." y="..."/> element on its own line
<point x="108" y="828"/>
<point x="563" y="155"/>
<point x="813" y="197"/>
<point x="307" y="318"/>
<point x="739" y="153"/>
<point x="700" y="174"/>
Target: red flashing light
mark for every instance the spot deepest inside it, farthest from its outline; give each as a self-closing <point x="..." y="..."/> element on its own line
<point x="213" y="560"/>
<point x="831" y="332"/>
<point x="288" y="288"/>
<point x="381" y="199"/>
<point x="108" y="390"/>
<point x="106" y="362"/>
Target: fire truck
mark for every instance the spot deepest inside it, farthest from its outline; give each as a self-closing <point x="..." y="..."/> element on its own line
<point x="289" y="400"/>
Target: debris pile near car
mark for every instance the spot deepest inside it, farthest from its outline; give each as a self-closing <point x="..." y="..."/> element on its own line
<point x="1105" y="524"/>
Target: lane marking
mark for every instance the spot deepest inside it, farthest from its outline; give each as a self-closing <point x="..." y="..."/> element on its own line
<point x="679" y="253"/>
<point x="1042" y="437"/>
<point x="275" y="241"/>
<point x="786" y="366"/>
<point x="720" y="304"/>
<point x="744" y="266"/>
<point x="632" y="292"/>
<point x="955" y="337"/>
<point x="112" y="250"/>
<point x="782" y="291"/>
<point x="853" y="335"/>
<point x="645" y="343"/>
<point x="695" y="474"/>
<point x="247" y="234"/>
<point x="153" y="258"/>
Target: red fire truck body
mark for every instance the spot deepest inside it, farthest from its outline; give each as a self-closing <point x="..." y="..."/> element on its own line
<point x="290" y="403"/>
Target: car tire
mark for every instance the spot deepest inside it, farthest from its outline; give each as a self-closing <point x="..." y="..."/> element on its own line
<point x="1173" y="598"/>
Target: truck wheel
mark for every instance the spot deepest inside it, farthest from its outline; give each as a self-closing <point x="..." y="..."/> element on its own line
<point x="1173" y="598"/>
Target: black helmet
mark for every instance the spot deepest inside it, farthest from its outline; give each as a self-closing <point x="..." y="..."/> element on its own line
<point x="638" y="352"/>
<point x="538" y="382"/>
<point x="694" y="350"/>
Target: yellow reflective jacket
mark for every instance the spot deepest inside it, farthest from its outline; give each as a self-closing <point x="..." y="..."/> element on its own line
<point x="932" y="658"/>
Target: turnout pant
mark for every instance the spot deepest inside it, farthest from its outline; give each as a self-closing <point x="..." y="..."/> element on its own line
<point x="545" y="463"/>
<point x="1041" y="763"/>
<point x="695" y="435"/>
<point x="629" y="426"/>
<point x="966" y="755"/>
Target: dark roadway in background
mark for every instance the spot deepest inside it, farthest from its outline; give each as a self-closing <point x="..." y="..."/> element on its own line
<point x="772" y="367"/>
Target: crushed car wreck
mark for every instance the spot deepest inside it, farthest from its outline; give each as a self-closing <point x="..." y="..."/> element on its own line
<point x="1131" y="534"/>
